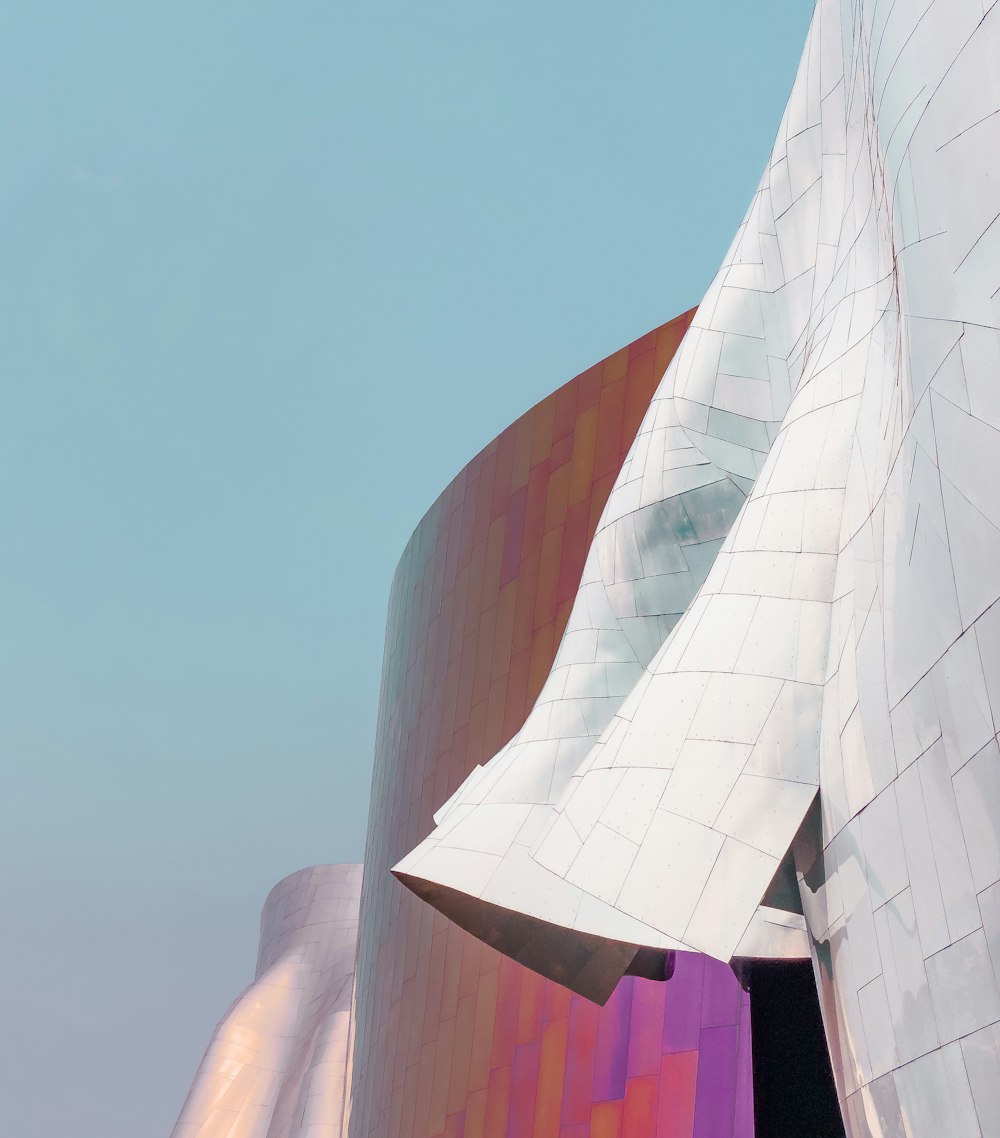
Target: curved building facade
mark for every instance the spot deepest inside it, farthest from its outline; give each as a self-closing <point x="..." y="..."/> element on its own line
<point x="453" y="1040"/>
<point x="807" y="760"/>
<point x="697" y="665"/>
<point x="278" y="1064"/>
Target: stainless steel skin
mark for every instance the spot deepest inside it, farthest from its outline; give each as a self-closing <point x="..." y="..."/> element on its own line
<point x="791" y="597"/>
<point x="278" y="1065"/>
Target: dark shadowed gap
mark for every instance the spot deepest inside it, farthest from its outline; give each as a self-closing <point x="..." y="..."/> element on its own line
<point x="793" y="1089"/>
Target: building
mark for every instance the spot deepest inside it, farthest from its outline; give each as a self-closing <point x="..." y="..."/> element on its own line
<point x="695" y="671"/>
<point x="279" y="1061"/>
<point x="808" y="762"/>
<point x="451" y="1038"/>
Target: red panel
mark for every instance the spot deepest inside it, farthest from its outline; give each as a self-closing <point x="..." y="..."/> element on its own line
<point x="551" y="1071"/>
<point x="523" y="1088"/>
<point x="529" y="1020"/>
<point x="639" y="1112"/>
<point x="513" y="533"/>
<point x="646" y="1035"/>
<point x="534" y="518"/>
<point x="565" y="409"/>
<point x="444" y="1047"/>
<point x="480" y="1061"/>
<point x="576" y="541"/>
<point x="609" y="430"/>
<point x="507" y="1011"/>
<point x="498" y="1103"/>
<point x="543" y="419"/>
<point x="461" y="1055"/>
<point x="502" y="479"/>
<point x="475" y="1115"/>
<point x="581" y="1047"/>
<point x="558" y="1002"/>
<point x="678" y="1075"/>
<point x="582" y="462"/>
<point x="606" y="1120"/>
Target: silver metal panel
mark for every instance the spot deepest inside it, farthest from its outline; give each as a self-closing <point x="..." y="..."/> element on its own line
<point x="882" y="838"/>
<point x="963" y="704"/>
<point x="602" y="863"/>
<point x="787" y="746"/>
<point x="717" y="924"/>
<point x="880" y="1106"/>
<point x="759" y="811"/>
<point x="877" y="1020"/>
<point x="963" y="987"/>
<point x="951" y="858"/>
<point x="631" y="807"/>
<point x="734" y="708"/>
<point x="989" y="906"/>
<point x="669" y="873"/>
<point x="981" y="1052"/>
<point x="702" y="778"/>
<point x="907" y="986"/>
<point x="774" y="934"/>
<point x="925" y="887"/>
<point x="934" y="1096"/>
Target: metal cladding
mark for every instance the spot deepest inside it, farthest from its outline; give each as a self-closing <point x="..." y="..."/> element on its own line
<point x="699" y="662"/>
<point x="453" y="1040"/>
<point x="783" y="657"/>
<point x="278" y="1065"/>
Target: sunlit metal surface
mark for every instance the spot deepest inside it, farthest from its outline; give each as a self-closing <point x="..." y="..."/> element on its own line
<point x="278" y="1065"/>
<point x="791" y="595"/>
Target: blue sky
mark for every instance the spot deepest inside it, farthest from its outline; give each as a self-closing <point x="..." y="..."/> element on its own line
<point x="272" y="273"/>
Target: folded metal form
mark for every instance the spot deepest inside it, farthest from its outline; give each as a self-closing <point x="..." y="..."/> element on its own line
<point x="278" y="1064"/>
<point x="791" y="596"/>
<point x="451" y="1038"/>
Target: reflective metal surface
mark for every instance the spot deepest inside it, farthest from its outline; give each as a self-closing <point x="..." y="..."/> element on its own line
<point x="278" y="1065"/>
<point x="824" y="454"/>
<point x="453" y="1039"/>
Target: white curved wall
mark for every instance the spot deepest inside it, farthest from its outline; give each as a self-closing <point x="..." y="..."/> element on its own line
<point x="278" y="1063"/>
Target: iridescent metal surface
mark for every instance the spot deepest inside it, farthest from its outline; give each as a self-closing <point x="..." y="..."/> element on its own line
<point x="452" y="1038"/>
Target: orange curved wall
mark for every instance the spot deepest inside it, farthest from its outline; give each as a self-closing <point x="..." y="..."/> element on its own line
<point x="453" y="1040"/>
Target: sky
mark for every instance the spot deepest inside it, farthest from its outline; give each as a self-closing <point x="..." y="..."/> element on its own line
<point x="271" y="275"/>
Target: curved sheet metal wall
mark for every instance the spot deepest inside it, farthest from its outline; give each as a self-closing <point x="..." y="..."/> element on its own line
<point x="278" y="1064"/>
<point x="452" y="1040"/>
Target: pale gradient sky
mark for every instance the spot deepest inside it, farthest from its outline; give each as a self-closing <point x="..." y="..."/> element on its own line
<point x="271" y="274"/>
